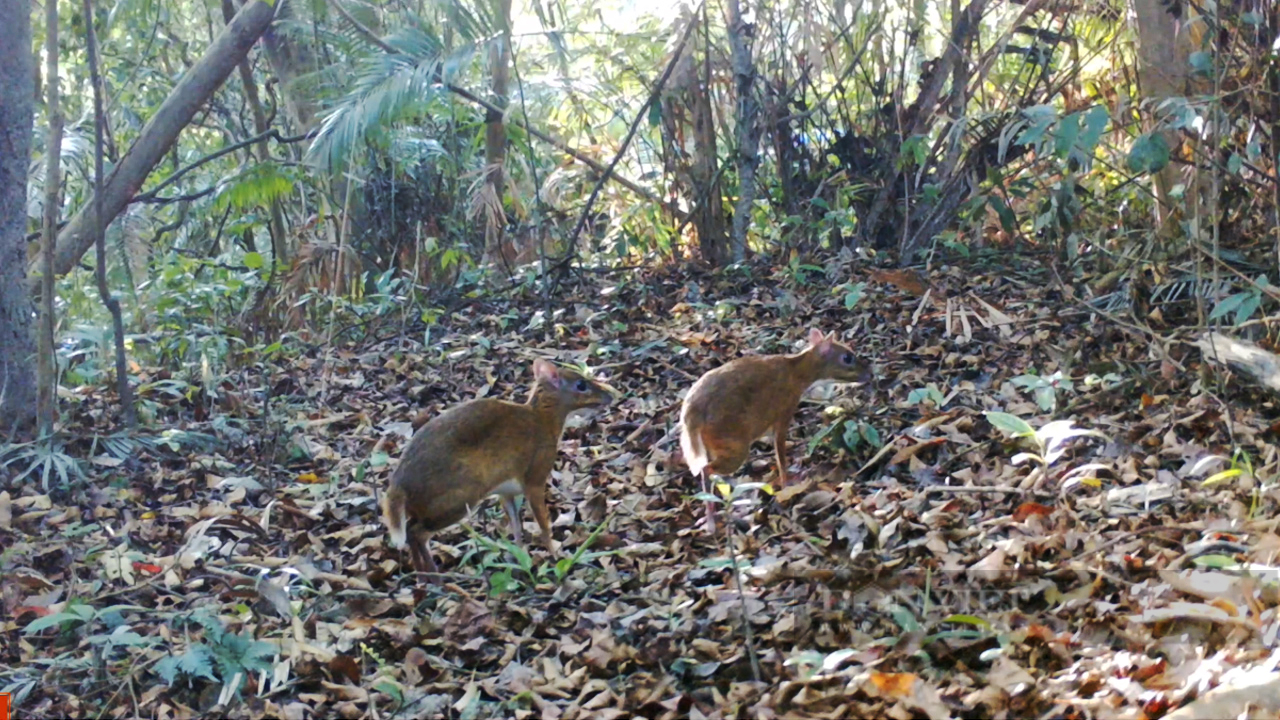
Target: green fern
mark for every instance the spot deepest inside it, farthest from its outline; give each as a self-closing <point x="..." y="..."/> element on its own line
<point x="232" y="653"/>
<point x="197" y="661"/>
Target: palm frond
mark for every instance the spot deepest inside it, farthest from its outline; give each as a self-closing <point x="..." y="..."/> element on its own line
<point x="254" y="185"/>
<point x="387" y="89"/>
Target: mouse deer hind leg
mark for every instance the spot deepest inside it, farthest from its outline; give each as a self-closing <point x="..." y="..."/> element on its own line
<point x="513" y="514"/>
<point x="508" y="491"/>
<point x="419" y="542"/>
<point x="708" y="488"/>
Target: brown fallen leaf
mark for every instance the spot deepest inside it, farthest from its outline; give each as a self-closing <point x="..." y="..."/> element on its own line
<point x="344" y="666"/>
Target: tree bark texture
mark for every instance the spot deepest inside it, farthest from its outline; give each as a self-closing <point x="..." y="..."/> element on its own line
<point x="260" y="126"/>
<point x="290" y="60"/>
<point x="17" y="93"/>
<point x="923" y="113"/>
<point x="495" y="132"/>
<point x="46" y="398"/>
<point x="98" y="227"/>
<point x="160" y="132"/>
<point x="748" y="128"/>
<point x="1164" y="55"/>
<point x="709" y="218"/>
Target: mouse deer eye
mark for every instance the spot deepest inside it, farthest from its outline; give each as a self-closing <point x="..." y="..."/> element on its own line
<point x="580" y="386"/>
<point x="847" y="359"/>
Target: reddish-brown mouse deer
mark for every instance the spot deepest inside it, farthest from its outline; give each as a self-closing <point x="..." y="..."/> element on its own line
<point x="483" y="447"/>
<point x="741" y="401"/>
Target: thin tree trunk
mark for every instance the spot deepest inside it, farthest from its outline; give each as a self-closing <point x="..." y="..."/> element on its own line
<point x="18" y="70"/>
<point x="1273" y="73"/>
<point x="98" y="227"/>
<point x="1163" y="70"/>
<point x="495" y="133"/>
<point x="748" y="110"/>
<point x="279" y="250"/>
<point x="160" y="132"/>
<point x="709" y="214"/>
<point x="290" y="60"/>
<point x="46" y="378"/>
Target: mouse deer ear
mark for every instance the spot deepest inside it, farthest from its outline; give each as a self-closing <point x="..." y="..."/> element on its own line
<point x="816" y="336"/>
<point x="545" y="371"/>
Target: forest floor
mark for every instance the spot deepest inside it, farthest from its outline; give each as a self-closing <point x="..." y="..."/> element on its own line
<point x="954" y="572"/>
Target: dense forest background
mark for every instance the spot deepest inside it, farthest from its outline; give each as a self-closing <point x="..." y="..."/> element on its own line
<point x="245" y="248"/>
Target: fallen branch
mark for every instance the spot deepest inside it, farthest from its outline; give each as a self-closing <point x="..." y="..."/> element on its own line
<point x="1242" y="355"/>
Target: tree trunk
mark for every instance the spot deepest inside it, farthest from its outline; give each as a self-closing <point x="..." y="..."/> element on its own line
<point x="276" y="226"/>
<point x="290" y="60"/>
<point x="923" y="112"/>
<point x="45" y="375"/>
<point x="17" y="76"/>
<point x="709" y="209"/>
<point x="160" y="132"/>
<point x="748" y="109"/>
<point x="1164" y="54"/>
<point x="495" y="133"/>
<point x="98" y="228"/>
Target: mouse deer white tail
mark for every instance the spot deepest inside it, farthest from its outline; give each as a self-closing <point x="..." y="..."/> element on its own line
<point x="695" y="453"/>
<point x="393" y="503"/>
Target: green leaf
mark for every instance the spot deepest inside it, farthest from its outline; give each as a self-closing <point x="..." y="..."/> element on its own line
<point x="822" y="434"/>
<point x="851" y="435"/>
<point x="1010" y="424"/>
<point x="167" y="669"/>
<point x="501" y="582"/>
<point x="870" y="434"/>
<point x="1095" y="121"/>
<point x="197" y="661"/>
<point x="853" y="295"/>
<point x="1235" y="163"/>
<point x="1041" y="118"/>
<point x="1218" y="562"/>
<point x="49" y="621"/>
<point x="391" y="688"/>
<point x="1149" y="154"/>
<point x="1064" y="137"/>
<point x="1248" y="307"/>
<point x="742" y="488"/>
<point x="1227" y="304"/>
<point x="1201" y="61"/>
<point x="1046" y="397"/>
<point x="253" y="260"/>
<point x="904" y="618"/>
<point x="968" y="620"/>
<point x="1028" y="381"/>
<point x="1007" y="219"/>
<point x="953" y="635"/>
<point x="522" y="556"/>
<point x="1222" y="476"/>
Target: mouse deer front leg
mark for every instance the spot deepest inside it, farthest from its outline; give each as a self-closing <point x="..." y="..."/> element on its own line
<point x="535" y="491"/>
<point x="780" y="448"/>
